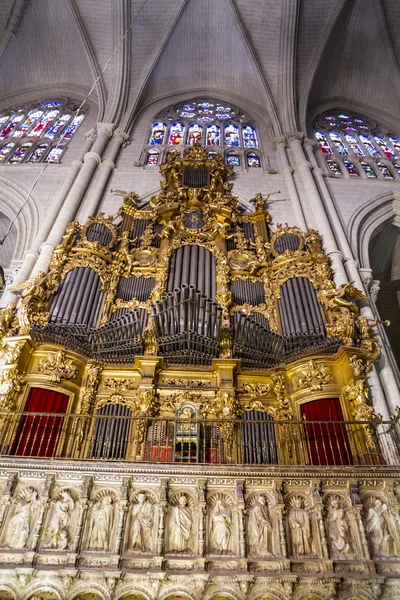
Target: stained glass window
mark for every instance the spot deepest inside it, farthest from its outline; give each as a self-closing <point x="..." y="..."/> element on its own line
<point x="323" y="143"/>
<point x="195" y="134"/>
<point x="396" y="144"/>
<point x="38" y="153"/>
<point x="213" y="135"/>
<point x="231" y="135"/>
<point x="11" y="125"/>
<point x="200" y="121"/>
<point x="383" y="146"/>
<point x="354" y="146"/>
<point x="44" y="121"/>
<point x="249" y="137"/>
<point x="176" y="134"/>
<point x="20" y="153"/>
<point x="384" y="170"/>
<point x="5" y="151"/>
<point x="50" y="119"/>
<point x="369" y="171"/>
<point x="152" y="157"/>
<point x="351" y="168"/>
<point x="253" y="160"/>
<point x="233" y="159"/>
<point x="337" y="142"/>
<point x="55" y="153"/>
<point x="157" y="134"/>
<point x="397" y="167"/>
<point x="333" y="166"/>
<point x="369" y="146"/>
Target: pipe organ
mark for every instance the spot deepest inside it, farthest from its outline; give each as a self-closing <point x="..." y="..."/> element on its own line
<point x="192" y="331"/>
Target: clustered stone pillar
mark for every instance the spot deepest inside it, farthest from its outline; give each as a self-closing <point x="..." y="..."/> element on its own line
<point x="287" y="171"/>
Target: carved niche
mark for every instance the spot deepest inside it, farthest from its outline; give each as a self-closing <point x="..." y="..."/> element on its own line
<point x="101" y="521"/>
<point x="22" y="517"/>
<point x="341" y="528"/>
<point x="380" y="527"/>
<point x="182" y="524"/>
<point x="262" y="526"/>
<point x="302" y="527"/>
<point x="62" y="520"/>
<point x="222" y="525"/>
<point x="142" y="524"/>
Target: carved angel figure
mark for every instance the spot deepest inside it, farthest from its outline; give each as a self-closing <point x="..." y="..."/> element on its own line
<point x="142" y="523"/>
<point x="20" y="524"/>
<point x="342" y="312"/>
<point x="221" y="528"/>
<point x="180" y="525"/>
<point x="259" y="528"/>
<point x="57" y="532"/>
<point x="338" y="530"/>
<point x="377" y="527"/>
<point x="101" y="524"/>
<point x="300" y="528"/>
<point x="6" y="318"/>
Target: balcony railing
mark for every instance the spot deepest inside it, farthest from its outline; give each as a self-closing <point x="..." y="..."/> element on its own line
<point x="207" y="441"/>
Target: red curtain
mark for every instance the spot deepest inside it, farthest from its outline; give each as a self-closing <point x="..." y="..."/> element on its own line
<point x="38" y="435"/>
<point x="327" y="442"/>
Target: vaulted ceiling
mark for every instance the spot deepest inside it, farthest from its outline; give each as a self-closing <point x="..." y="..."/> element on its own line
<point x="282" y="58"/>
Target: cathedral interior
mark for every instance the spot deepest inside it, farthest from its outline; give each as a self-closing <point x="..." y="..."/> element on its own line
<point x="200" y="292"/>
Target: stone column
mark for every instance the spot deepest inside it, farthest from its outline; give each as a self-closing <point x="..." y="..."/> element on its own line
<point x="90" y="206"/>
<point x="304" y="168"/>
<point x="68" y="211"/>
<point x="38" y="243"/>
<point x="287" y="172"/>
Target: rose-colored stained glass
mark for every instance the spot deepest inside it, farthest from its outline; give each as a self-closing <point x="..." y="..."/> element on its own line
<point x="152" y="157"/>
<point x="33" y="117"/>
<point x="383" y="146"/>
<point x="43" y="123"/>
<point x="10" y="126"/>
<point x="176" y="134"/>
<point x="351" y="168"/>
<point x="368" y="170"/>
<point x="195" y="134"/>
<point x="323" y="144"/>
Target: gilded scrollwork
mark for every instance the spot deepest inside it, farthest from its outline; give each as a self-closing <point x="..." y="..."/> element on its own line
<point x="10" y="383"/>
<point x="314" y="376"/>
<point x="57" y="366"/>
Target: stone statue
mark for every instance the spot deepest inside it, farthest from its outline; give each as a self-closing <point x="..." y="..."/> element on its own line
<point x="300" y="528"/>
<point x="259" y="528"/>
<point x="57" y="532"/>
<point x="377" y="528"/>
<point x="338" y="530"/>
<point x="180" y="525"/>
<point x="221" y="526"/>
<point x="20" y="524"/>
<point x="101" y="524"/>
<point x="142" y="523"/>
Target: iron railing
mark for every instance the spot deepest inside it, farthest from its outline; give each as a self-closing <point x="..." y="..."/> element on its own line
<point x="208" y="441"/>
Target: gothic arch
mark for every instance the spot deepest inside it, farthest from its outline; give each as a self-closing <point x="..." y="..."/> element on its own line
<point x="131" y="590"/>
<point x="53" y="590"/>
<point x="27" y="214"/>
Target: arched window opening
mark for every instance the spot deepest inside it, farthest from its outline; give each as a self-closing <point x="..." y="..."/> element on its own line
<point x="253" y="160"/>
<point x="206" y="122"/>
<point x="341" y="135"/>
<point x="233" y="159"/>
<point x="152" y="157"/>
<point x="32" y="124"/>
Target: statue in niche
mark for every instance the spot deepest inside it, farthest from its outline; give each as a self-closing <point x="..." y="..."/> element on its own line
<point x="57" y="532"/>
<point x="300" y="527"/>
<point x="377" y="527"/>
<point x="338" y="530"/>
<point x="259" y="528"/>
<point x="220" y="527"/>
<point x="180" y="524"/>
<point x="20" y="524"/>
<point x="142" y="523"/>
<point x="101" y="524"/>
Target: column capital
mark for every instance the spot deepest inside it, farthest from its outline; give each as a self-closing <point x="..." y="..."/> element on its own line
<point x="309" y="142"/>
<point x="280" y="140"/>
<point x="294" y="136"/>
<point x="91" y="135"/>
<point x="107" y="128"/>
<point x="121" y="138"/>
<point x="94" y="155"/>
